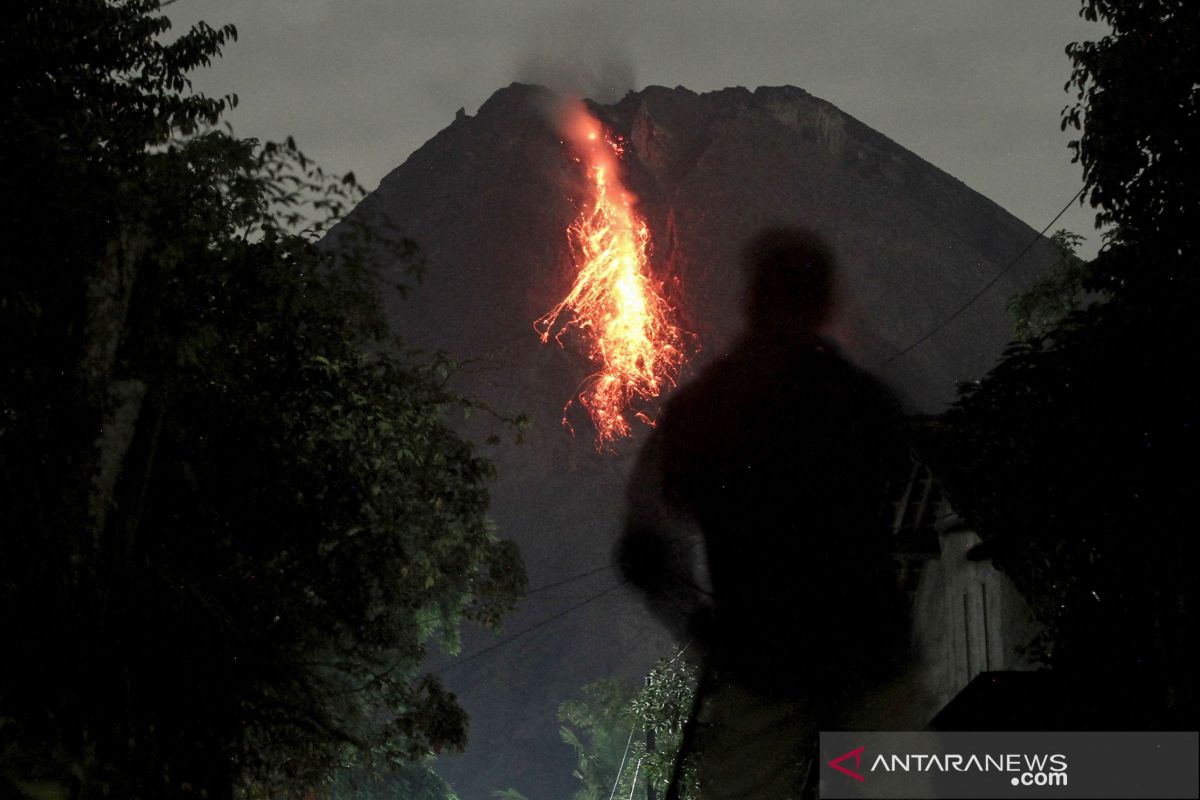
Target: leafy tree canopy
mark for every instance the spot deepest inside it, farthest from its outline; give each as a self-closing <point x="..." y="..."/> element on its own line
<point x="1137" y="108"/>
<point x="234" y="515"/>
<point x="1075" y="456"/>
<point x="1057" y="293"/>
<point x="611" y="725"/>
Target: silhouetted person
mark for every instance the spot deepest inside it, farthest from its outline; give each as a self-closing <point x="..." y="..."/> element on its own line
<point x="779" y="454"/>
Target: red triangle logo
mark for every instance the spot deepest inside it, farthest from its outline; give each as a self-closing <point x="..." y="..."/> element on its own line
<point x="857" y="754"/>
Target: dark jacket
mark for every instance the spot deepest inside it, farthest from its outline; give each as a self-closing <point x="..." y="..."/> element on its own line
<point x="779" y="454"/>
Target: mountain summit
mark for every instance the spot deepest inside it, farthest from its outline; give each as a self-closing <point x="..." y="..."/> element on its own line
<point x="490" y="198"/>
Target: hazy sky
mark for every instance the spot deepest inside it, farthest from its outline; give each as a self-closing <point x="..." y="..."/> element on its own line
<point x="973" y="86"/>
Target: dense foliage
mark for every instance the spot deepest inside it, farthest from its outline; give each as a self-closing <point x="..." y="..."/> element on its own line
<point x="612" y="726"/>
<point x="1075" y="457"/>
<point x="1056" y="293"/>
<point x="233" y="514"/>
<point x="1137" y="111"/>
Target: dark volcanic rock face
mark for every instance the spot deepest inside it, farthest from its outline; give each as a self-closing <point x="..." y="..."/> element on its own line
<point x="490" y="198"/>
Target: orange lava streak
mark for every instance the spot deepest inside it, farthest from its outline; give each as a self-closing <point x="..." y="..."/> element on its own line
<point x="614" y="304"/>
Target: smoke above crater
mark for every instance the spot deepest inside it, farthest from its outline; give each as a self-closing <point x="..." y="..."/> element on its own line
<point x="578" y="51"/>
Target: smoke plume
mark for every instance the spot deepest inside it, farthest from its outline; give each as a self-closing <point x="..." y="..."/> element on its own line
<point x="578" y="51"/>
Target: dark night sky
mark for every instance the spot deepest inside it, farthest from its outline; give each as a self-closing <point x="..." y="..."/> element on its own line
<point x="973" y="86"/>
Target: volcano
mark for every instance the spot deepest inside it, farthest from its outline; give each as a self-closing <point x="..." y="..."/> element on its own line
<point x="490" y="199"/>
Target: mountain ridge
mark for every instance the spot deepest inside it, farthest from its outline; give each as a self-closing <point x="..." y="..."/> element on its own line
<point x="490" y="198"/>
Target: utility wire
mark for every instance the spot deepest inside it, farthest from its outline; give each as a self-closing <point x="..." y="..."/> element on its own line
<point x="621" y="768"/>
<point x="987" y="285"/>
<point x="592" y="598"/>
<point x="583" y="603"/>
<point x="570" y="579"/>
<point x="484" y="651"/>
<point x="682" y="650"/>
<point x="610" y="565"/>
<point x="928" y="335"/>
<point x="633" y="786"/>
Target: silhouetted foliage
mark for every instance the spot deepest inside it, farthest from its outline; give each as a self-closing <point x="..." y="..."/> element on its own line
<point x="414" y="780"/>
<point x="1075" y="457"/>
<point x="1055" y="294"/>
<point x="607" y="729"/>
<point x="233" y="516"/>
<point x="1139" y="120"/>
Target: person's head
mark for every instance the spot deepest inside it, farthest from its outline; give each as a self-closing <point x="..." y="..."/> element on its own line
<point x="790" y="273"/>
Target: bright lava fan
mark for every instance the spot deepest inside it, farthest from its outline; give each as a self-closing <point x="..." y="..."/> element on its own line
<point x="615" y="305"/>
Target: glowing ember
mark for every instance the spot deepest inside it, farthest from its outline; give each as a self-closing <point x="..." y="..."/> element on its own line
<point x="614" y="304"/>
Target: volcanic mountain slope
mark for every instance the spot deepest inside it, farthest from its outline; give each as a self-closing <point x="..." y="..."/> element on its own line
<point x="490" y="199"/>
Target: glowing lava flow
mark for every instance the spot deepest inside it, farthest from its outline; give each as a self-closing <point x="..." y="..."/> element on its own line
<point x="614" y="303"/>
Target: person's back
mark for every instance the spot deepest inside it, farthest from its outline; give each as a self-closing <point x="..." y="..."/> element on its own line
<point x="780" y="453"/>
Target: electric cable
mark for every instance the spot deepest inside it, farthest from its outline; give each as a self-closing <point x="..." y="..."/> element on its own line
<point x="611" y="564"/>
<point x="559" y="615"/>
<point x="570" y="579"/>
<point x="484" y="651"/>
<point x="621" y="768"/>
<point x="986" y="286"/>
<point x="581" y="604"/>
<point x="633" y="786"/>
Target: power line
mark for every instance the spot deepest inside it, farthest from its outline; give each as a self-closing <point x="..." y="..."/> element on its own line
<point x="584" y="602"/>
<point x="621" y="768"/>
<point x="560" y="614"/>
<point x="633" y="786"/>
<point x="586" y="573"/>
<point x="889" y="360"/>
<point x="484" y="651"/>
<point x="688" y="545"/>
<point x="570" y="579"/>
<point x="682" y="650"/>
<point x="610" y="565"/>
<point x="987" y="285"/>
